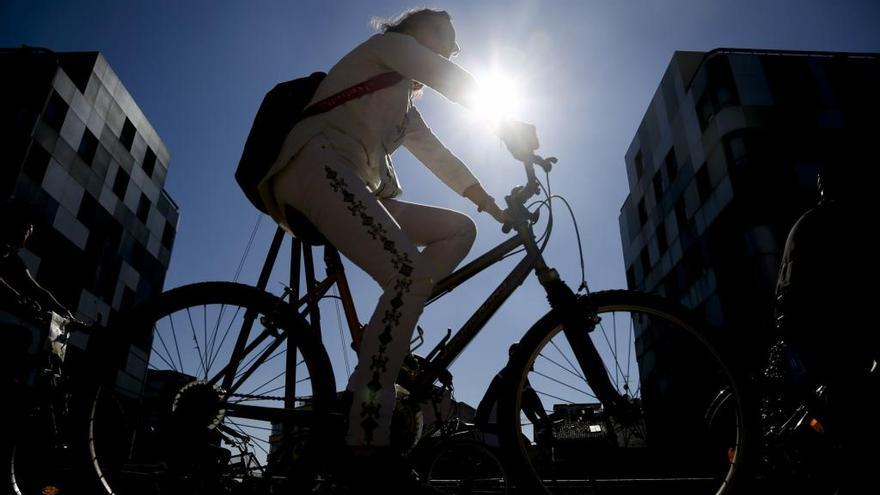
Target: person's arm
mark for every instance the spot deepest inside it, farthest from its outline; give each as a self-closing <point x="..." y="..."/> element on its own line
<point x="34" y="290"/>
<point x="405" y="55"/>
<point x="427" y="148"/>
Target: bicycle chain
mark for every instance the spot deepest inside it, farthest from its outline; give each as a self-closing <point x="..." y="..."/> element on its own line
<point x="267" y="397"/>
<point x="251" y="396"/>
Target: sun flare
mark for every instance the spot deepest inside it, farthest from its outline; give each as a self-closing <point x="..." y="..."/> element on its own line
<point x="499" y="97"/>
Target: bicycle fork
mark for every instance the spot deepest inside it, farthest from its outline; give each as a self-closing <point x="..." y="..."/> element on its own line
<point x="578" y="322"/>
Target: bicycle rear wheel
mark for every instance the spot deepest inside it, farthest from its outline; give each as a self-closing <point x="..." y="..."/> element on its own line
<point x="465" y="466"/>
<point x="681" y="428"/>
<point x="191" y="414"/>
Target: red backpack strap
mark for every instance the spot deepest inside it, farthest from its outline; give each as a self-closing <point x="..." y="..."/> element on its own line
<point x="372" y="84"/>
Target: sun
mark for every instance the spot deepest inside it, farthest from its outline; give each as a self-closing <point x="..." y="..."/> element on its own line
<point x="498" y="98"/>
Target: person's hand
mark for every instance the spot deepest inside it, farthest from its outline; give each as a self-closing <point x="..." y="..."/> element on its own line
<point x="497" y="213"/>
<point x="520" y="138"/>
<point x="29" y="304"/>
<point x="485" y="202"/>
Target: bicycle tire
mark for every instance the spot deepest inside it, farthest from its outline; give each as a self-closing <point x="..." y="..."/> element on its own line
<point x="463" y="466"/>
<point x="676" y="436"/>
<point x="171" y="434"/>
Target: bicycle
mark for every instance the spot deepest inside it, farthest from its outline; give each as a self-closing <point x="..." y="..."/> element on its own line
<point x="43" y="452"/>
<point x="256" y="409"/>
<point x="818" y="394"/>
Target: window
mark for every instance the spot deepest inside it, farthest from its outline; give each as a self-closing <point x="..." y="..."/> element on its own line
<point x="88" y="146"/>
<point x="643" y="213"/>
<point x="149" y="162"/>
<point x="736" y="148"/>
<point x="662" y="243"/>
<point x="120" y="184"/>
<point x="640" y="168"/>
<point x="168" y="236"/>
<point x="127" y="298"/>
<point x="55" y="112"/>
<point x="88" y="211"/>
<point x="681" y="219"/>
<point x="646" y="262"/>
<point x="37" y="162"/>
<point x="671" y="165"/>
<point x="143" y="208"/>
<point x="127" y="136"/>
<point x="658" y="186"/>
<point x="720" y="90"/>
<point x="704" y="187"/>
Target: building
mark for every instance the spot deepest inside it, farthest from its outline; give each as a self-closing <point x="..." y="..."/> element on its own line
<point x="723" y="163"/>
<point x="76" y="145"/>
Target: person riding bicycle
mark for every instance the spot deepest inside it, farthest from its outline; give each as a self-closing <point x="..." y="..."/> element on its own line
<point x="820" y="295"/>
<point x="335" y="170"/>
<point x="20" y="295"/>
<point x="18" y="220"/>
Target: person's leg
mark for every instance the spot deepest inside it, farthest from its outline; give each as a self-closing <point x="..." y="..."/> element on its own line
<point x="326" y="190"/>
<point x="446" y="234"/>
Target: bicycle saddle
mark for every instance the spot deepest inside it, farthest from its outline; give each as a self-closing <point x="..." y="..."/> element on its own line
<point x="302" y="228"/>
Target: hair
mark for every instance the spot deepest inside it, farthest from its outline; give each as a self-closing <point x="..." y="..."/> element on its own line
<point x="405" y="20"/>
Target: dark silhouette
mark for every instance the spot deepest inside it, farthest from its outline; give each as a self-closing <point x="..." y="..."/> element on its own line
<point x="821" y="406"/>
<point x="18" y="220"/>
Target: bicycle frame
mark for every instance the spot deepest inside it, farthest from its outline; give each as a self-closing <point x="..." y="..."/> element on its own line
<point x="447" y="351"/>
<point x="560" y="296"/>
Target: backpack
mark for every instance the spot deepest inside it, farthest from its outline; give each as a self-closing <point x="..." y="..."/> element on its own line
<point x="282" y="108"/>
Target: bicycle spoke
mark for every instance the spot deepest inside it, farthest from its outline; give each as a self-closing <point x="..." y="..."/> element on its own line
<point x="156" y="352"/>
<point x="257" y="445"/>
<point x="614" y="327"/>
<point x="629" y="351"/>
<point x="223" y="340"/>
<point x="255" y="390"/>
<point x="613" y="354"/>
<point x="563" y="367"/>
<point x="176" y="346"/>
<point x="565" y="385"/>
<point x="196" y="342"/>
<point x="162" y="341"/>
<point x="545" y="394"/>
<point x="205" y="334"/>
<point x="573" y="367"/>
<point x="256" y="355"/>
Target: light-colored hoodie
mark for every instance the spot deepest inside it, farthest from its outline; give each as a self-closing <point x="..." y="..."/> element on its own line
<point x="366" y="130"/>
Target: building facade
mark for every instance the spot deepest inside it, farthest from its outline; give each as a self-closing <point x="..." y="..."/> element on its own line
<point x="724" y="162"/>
<point x="76" y="145"/>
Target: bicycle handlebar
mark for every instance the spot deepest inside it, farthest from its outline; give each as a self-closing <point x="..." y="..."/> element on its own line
<point x="520" y="194"/>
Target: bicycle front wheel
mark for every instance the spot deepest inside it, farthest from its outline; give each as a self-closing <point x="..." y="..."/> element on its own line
<point x="680" y="427"/>
<point x="225" y="390"/>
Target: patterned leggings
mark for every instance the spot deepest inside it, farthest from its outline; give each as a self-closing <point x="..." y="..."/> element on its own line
<point x="381" y="237"/>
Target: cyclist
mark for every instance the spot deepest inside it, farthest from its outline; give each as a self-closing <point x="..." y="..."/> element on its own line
<point x="335" y="170"/>
<point x="820" y="297"/>
<point x="20" y="295"/>
<point x="486" y="417"/>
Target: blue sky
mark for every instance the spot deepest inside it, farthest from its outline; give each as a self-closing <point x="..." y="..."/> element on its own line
<point x="588" y="70"/>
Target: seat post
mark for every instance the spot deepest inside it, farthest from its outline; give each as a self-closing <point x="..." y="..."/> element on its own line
<point x="290" y="376"/>
<point x="314" y="311"/>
